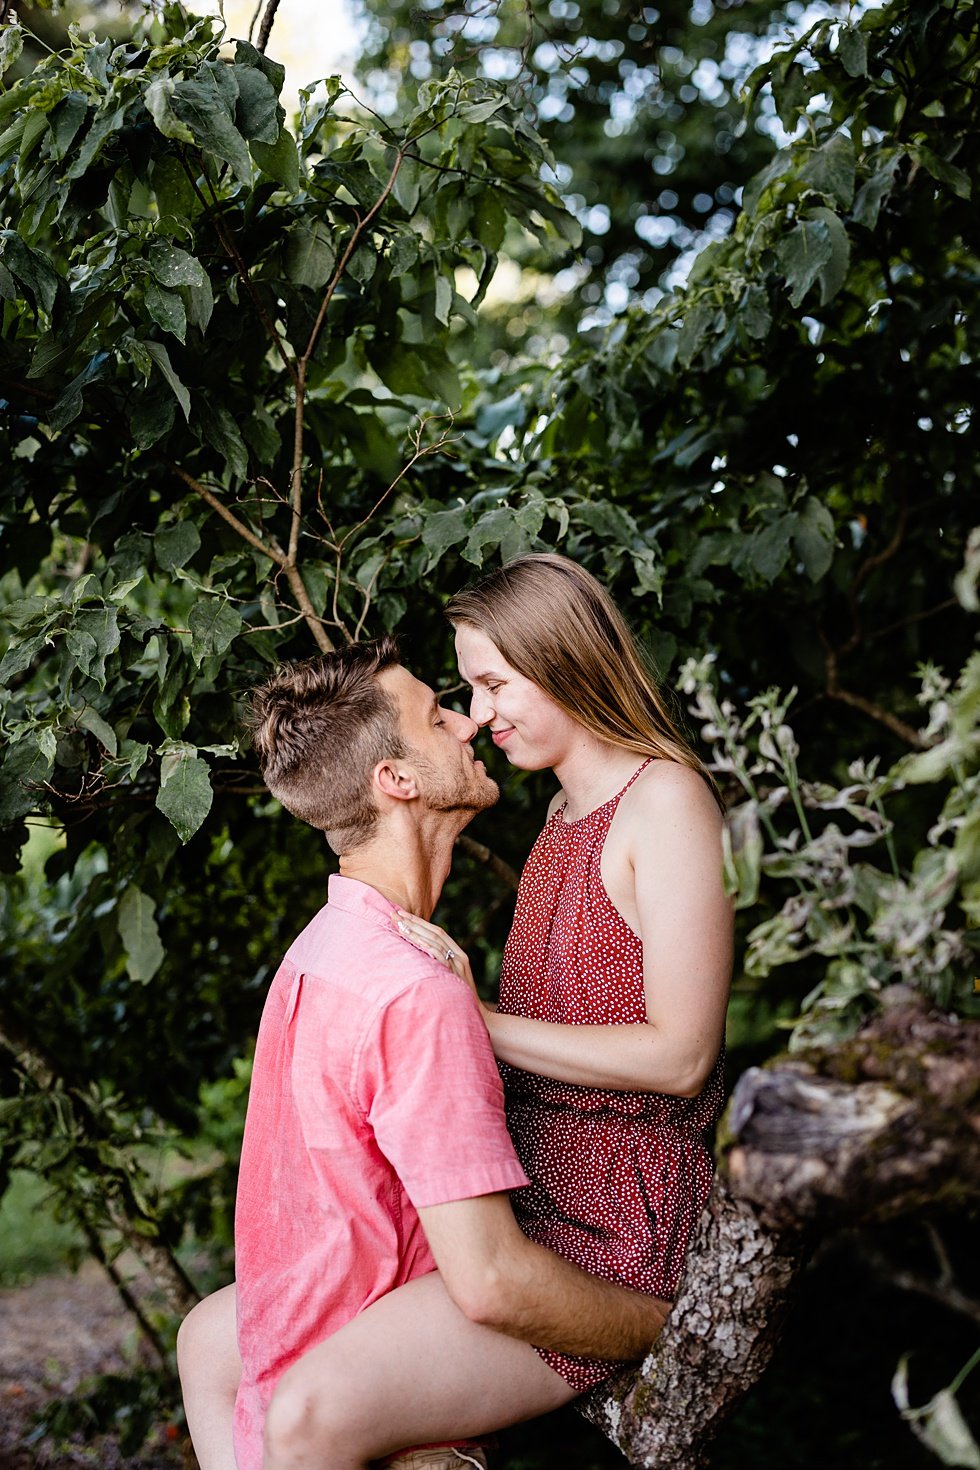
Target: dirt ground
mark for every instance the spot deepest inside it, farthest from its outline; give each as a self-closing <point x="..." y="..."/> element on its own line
<point x="55" y="1333"/>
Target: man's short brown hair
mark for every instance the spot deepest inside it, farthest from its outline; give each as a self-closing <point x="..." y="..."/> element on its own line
<point x="320" y="726"/>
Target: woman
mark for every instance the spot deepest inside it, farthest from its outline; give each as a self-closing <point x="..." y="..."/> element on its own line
<point x="613" y="991"/>
<point x="615" y="975"/>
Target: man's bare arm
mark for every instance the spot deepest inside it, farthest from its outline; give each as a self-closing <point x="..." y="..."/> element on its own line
<point x="499" y="1278"/>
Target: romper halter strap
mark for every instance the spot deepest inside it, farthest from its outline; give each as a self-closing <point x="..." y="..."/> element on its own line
<point x="617" y="798"/>
<point x="638" y="772"/>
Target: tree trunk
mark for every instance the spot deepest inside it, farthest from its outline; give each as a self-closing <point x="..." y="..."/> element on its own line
<point x="884" y="1125"/>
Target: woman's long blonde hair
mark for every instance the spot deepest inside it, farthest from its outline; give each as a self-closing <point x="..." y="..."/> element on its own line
<point x="555" y="624"/>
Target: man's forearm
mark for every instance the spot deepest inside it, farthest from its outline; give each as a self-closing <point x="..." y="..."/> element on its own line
<point x="498" y="1277"/>
<point x="545" y="1300"/>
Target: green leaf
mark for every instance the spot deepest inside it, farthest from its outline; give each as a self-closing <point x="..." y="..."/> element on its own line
<point x="90" y="719"/>
<point x="309" y="255"/>
<point x="174" y="546"/>
<point x="743" y="848"/>
<point x="25" y="769"/>
<point x="833" y="275"/>
<point x="201" y="106"/>
<point x="279" y="160"/>
<point x="852" y="47"/>
<point x="31" y="269"/>
<point x="698" y="319"/>
<point x="104" y="125"/>
<point x="944" y="171"/>
<point x="150" y="415"/>
<point x="813" y="537"/>
<point x="93" y="638"/>
<point x="443" y="529"/>
<point x="831" y="168"/>
<point x="174" y="267"/>
<point x="802" y="255"/>
<point x="214" y="625"/>
<point x="11" y="45"/>
<point x="874" y="191"/>
<point x="754" y="312"/>
<point x="790" y="90"/>
<point x="166" y="309"/>
<point x="247" y="55"/>
<point x="161" y="357"/>
<point x="185" y="794"/>
<point x="221" y="432"/>
<point x="258" y="114"/>
<point x="139" y="934"/>
<point x="65" y="120"/>
<point x="407" y="186"/>
<point x="767" y="550"/>
<point x="158" y="100"/>
<point x="491" y="530"/>
<point x="444" y="299"/>
<point x="478" y="112"/>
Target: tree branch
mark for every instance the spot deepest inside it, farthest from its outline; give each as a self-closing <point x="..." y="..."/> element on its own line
<point x="483" y="854"/>
<point x="265" y="29"/>
<point x="165" y="1271"/>
<point x="270" y="549"/>
<point x="884" y="717"/>
<point x="886" y="1124"/>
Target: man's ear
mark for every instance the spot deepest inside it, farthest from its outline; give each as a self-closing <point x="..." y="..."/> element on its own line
<point x="397" y="779"/>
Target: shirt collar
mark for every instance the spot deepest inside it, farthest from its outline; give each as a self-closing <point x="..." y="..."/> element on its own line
<point x="354" y="897"/>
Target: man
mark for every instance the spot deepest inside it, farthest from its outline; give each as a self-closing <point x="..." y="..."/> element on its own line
<point x="375" y="1146"/>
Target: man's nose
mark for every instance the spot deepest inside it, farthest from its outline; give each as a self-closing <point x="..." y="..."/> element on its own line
<point x="465" y="728"/>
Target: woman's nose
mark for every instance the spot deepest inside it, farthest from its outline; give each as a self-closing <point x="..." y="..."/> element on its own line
<point x="481" y="707"/>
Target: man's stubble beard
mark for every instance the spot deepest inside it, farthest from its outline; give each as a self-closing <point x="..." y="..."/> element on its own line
<point x="456" y="793"/>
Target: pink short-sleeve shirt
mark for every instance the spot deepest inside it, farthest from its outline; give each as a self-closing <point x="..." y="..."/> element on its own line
<point x="374" y="1093"/>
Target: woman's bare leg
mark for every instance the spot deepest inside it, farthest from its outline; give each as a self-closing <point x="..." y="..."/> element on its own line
<point x="207" y="1357"/>
<point x="409" y="1370"/>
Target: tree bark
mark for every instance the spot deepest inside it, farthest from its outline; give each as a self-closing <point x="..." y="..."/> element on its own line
<point x="886" y="1124"/>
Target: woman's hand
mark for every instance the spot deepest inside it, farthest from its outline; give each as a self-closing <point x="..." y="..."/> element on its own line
<point x="437" y="943"/>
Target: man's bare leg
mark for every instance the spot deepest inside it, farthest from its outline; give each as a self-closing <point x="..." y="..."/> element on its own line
<point x="207" y="1357"/>
<point x="411" y="1369"/>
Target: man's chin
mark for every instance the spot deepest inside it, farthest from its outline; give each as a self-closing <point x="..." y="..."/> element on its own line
<point x="484" y="795"/>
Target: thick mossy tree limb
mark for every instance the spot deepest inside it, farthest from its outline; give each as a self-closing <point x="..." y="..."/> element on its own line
<point x="886" y="1125"/>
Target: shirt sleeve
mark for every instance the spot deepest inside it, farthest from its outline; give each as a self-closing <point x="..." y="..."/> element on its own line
<point x="429" y="1087"/>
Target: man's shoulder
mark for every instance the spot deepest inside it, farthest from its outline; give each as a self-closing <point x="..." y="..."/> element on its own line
<point x="362" y="956"/>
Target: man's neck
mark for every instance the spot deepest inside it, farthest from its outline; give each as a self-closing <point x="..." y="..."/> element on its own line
<point x="408" y="861"/>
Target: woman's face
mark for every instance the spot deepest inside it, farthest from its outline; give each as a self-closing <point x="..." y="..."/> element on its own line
<point x="533" y="731"/>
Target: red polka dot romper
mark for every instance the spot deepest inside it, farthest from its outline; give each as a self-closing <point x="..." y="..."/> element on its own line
<point x="618" y="1179"/>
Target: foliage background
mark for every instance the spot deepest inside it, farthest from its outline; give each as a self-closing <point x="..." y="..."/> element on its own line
<point x="261" y="396"/>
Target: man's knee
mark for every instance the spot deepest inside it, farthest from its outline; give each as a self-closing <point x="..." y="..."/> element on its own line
<point x="304" y="1415"/>
<point x="191" y="1341"/>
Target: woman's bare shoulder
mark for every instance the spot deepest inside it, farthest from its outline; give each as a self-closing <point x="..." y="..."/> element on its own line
<point x="556" y="801"/>
<point x="669" y="790"/>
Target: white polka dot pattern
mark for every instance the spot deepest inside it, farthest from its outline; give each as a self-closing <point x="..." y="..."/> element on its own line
<point x="618" y="1179"/>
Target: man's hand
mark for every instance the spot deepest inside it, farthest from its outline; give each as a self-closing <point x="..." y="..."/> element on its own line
<point x="499" y="1278"/>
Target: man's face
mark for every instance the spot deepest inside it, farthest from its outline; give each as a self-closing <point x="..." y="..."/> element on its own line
<point x="439" y="747"/>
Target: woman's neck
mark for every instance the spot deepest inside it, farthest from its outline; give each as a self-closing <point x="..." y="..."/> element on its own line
<point x="593" y="771"/>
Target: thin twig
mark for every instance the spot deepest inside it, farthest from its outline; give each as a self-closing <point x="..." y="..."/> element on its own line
<point x="270" y="549"/>
<point x="420" y="453"/>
